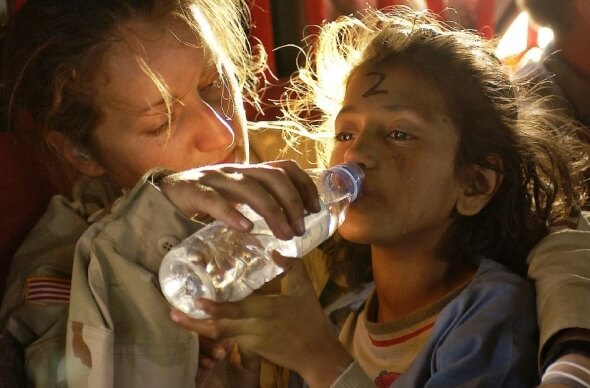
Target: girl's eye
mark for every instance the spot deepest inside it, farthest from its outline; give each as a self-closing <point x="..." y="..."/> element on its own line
<point x="343" y="136"/>
<point x="401" y="135"/>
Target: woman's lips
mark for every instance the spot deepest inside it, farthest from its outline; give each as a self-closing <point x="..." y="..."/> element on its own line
<point x="230" y="158"/>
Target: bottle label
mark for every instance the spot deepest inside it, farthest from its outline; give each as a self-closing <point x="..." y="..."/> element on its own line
<point x="317" y="230"/>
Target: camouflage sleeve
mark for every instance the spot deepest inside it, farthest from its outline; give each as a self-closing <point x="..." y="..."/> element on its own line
<point x="119" y="332"/>
<point x="560" y="267"/>
<point x="35" y="303"/>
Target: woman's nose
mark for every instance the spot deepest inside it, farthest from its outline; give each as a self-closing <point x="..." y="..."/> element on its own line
<point x="214" y="131"/>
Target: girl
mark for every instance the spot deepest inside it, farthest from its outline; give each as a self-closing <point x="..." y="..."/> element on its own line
<point x="463" y="176"/>
<point x="115" y="89"/>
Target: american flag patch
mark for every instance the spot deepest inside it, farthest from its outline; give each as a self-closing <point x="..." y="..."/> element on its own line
<point x="45" y="289"/>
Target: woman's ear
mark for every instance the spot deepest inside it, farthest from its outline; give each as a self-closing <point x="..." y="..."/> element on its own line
<point x="78" y="158"/>
<point x="481" y="183"/>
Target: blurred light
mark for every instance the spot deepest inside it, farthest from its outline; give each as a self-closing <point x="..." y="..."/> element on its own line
<point x="545" y="36"/>
<point x="514" y="40"/>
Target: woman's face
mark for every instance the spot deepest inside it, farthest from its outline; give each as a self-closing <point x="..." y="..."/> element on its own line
<point x="396" y="125"/>
<point x="207" y="117"/>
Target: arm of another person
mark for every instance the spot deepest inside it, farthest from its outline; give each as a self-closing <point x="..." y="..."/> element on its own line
<point x="560" y="266"/>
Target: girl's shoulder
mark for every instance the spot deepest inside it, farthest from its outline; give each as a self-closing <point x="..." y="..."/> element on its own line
<point x="494" y="281"/>
<point x="495" y="294"/>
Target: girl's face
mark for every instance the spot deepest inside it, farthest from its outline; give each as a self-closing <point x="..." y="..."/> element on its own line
<point x="207" y="121"/>
<point x="396" y="125"/>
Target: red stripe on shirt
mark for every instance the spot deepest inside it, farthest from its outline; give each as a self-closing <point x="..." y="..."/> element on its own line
<point x="47" y="290"/>
<point x="403" y="338"/>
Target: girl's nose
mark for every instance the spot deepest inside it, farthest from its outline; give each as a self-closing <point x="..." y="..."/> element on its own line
<point x="362" y="151"/>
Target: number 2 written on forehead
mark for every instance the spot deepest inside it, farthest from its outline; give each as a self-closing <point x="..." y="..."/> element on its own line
<point x="373" y="90"/>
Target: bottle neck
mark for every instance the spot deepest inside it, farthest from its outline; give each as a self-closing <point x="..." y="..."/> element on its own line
<point x="330" y="197"/>
<point x="339" y="184"/>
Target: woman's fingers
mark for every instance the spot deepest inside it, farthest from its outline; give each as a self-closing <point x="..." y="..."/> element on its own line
<point x="293" y="188"/>
<point x="193" y="199"/>
<point x="303" y="183"/>
<point x="283" y="202"/>
<point x="275" y="206"/>
<point x="280" y="192"/>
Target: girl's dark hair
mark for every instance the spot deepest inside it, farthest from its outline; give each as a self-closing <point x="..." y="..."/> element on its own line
<point x="541" y="158"/>
<point x="52" y="50"/>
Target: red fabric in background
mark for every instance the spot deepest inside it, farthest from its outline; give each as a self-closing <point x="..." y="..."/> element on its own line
<point x="436" y="6"/>
<point x="315" y="12"/>
<point x="17" y="4"/>
<point x="24" y="194"/>
<point x="485" y="17"/>
<point x="387" y="3"/>
<point x="262" y="28"/>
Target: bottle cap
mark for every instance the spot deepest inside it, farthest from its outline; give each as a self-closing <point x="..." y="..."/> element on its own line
<point x="350" y="175"/>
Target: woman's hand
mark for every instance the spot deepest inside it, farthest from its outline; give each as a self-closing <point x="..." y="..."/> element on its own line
<point x="281" y="192"/>
<point x="288" y="329"/>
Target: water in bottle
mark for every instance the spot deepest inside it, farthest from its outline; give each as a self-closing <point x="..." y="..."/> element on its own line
<point x="222" y="264"/>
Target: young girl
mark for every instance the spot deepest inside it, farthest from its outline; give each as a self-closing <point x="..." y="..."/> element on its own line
<point x="114" y="89"/>
<point x="463" y="176"/>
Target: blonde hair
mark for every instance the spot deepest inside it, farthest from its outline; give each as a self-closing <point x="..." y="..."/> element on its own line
<point x="48" y="77"/>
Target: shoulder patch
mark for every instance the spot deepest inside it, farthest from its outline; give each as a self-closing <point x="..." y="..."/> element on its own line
<point x="47" y="289"/>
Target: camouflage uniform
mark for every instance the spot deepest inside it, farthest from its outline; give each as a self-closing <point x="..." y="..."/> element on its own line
<point x="560" y="267"/>
<point x="119" y="332"/>
<point x="116" y="330"/>
<point x="35" y="305"/>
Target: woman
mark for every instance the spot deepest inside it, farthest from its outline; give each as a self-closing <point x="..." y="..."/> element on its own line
<point x="119" y="93"/>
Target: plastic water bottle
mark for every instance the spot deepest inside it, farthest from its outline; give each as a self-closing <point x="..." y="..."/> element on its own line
<point x="222" y="264"/>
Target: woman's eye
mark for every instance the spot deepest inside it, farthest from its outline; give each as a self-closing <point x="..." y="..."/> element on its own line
<point x="343" y="136"/>
<point x="401" y="135"/>
<point x="158" y="130"/>
<point x="213" y="87"/>
<point x="215" y="84"/>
